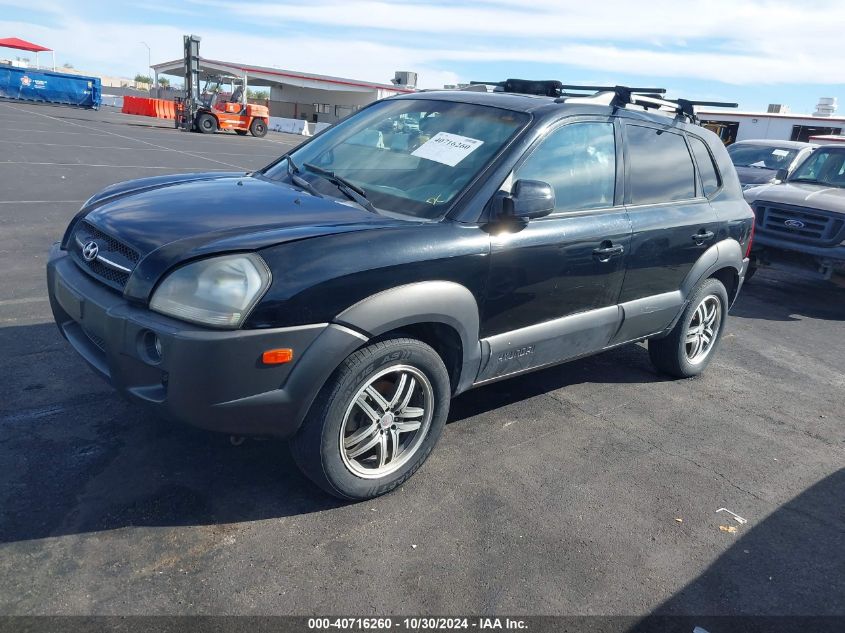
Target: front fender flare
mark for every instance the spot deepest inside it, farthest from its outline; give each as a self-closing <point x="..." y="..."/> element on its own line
<point x="422" y="302"/>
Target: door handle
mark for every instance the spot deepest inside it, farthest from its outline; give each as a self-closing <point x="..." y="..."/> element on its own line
<point x="604" y="253"/>
<point x="702" y="236"/>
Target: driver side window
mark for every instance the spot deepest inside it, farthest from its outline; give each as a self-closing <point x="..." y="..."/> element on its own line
<point x="579" y="161"/>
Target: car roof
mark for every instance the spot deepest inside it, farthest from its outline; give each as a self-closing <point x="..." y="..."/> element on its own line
<point x="542" y="107"/>
<point x="768" y="142"/>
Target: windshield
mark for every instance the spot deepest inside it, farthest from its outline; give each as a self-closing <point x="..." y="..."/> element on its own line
<point x="409" y="156"/>
<point x="762" y="156"/>
<point x="824" y="166"/>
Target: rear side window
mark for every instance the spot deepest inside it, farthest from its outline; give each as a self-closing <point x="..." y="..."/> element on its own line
<point x="706" y="167"/>
<point x="660" y="166"/>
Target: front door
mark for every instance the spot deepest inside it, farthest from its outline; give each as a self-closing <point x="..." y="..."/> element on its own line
<point x="554" y="284"/>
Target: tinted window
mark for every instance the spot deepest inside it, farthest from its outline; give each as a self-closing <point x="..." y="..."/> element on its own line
<point x="706" y="167"/>
<point x="660" y="166"/>
<point x="579" y="161"/>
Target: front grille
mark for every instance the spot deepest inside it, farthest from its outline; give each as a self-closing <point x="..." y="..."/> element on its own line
<point x="115" y="259"/>
<point x="819" y="227"/>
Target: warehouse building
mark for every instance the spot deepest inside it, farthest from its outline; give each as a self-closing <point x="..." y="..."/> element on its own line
<point x="299" y="95"/>
<point x="778" y="123"/>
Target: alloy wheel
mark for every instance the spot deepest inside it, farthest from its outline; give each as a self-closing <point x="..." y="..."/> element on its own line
<point x="386" y="422"/>
<point x="703" y="328"/>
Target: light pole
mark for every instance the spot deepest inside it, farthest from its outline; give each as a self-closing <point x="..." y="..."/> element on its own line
<point x="149" y="65"/>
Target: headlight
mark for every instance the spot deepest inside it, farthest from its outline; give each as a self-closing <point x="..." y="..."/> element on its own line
<point x="219" y="291"/>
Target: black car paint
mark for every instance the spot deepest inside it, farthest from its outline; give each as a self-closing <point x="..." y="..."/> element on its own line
<point x="328" y="254"/>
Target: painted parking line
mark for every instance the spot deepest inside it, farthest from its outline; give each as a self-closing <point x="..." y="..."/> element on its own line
<point x="168" y="167"/>
<point x="130" y="149"/>
<point x="30" y="130"/>
<point x="22" y="301"/>
<point x="41" y="201"/>
<point x="129" y="138"/>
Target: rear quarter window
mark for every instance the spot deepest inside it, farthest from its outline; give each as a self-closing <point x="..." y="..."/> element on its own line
<point x="660" y="166"/>
<point x="710" y="180"/>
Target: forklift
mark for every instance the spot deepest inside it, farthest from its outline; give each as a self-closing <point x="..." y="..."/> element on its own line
<point x="212" y="108"/>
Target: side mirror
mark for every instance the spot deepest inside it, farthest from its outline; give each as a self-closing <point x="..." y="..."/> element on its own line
<point x="781" y="174"/>
<point x="529" y="199"/>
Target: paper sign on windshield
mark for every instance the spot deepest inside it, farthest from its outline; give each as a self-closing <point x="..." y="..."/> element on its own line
<point x="448" y="149"/>
<point x="780" y="152"/>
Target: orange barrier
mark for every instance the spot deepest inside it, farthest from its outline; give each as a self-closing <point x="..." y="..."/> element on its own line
<point x="157" y="108"/>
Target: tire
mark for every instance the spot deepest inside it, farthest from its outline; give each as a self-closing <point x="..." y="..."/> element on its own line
<point x="684" y="353"/>
<point x="241" y="132"/>
<point x="258" y="127"/>
<point x="206" y="123"/>
<point x="331" y="447"/>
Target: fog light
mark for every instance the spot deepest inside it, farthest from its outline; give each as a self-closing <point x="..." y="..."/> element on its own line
<point x="151" y="346"/>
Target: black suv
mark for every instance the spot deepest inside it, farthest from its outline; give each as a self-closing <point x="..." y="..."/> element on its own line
<point x="429" y="244"/>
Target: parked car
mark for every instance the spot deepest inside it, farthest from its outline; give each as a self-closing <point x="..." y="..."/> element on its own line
<point x="801" y="222"/>
<point x="761" y="162"/>
<point x="342" y="296"/>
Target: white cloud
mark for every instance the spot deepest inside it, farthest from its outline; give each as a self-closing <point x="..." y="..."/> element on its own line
<point x="752" y="42"/>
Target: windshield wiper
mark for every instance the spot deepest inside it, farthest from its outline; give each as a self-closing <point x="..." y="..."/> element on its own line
<point x="296" y="179"/>
<point x="352" y="191"/>
<point x="812" y="181"/>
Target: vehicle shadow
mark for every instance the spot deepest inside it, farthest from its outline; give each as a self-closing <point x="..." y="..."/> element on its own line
<point x="76" y="458"/>
<point x="781" y="296"/>
<point x="790" y="564"/>
<point x="626" y="364"/>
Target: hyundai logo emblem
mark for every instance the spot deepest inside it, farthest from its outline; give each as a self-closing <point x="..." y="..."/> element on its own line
<point x="90" y="250"/>
<point x="794" y="224"/>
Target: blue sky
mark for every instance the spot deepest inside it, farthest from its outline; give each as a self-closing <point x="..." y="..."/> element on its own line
<point x="751" y="51"/>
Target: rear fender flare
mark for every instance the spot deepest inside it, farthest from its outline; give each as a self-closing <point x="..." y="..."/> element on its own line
<point x="422" y="302"/>
<point x="724" y="254"/>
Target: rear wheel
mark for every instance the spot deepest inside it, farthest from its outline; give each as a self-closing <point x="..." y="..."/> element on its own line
<point x="690" y="346"/>
<point x="206" y="123"/>
<point x="376" y="419"/>
<point x="258" y="127"/>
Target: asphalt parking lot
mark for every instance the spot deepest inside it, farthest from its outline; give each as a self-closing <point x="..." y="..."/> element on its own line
<point x="590" y="488"/>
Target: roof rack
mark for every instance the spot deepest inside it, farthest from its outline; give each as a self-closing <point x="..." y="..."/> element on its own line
<point x="648" y="98"/>
<point x="545" y="88"/>
<point x="618" y="96"/>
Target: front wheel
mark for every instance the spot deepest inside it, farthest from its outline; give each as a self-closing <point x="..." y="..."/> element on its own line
<point x="376" y="420"/>
<point x="206" y="123"/>
<point x="258" y="128"/>
<point x="690" y="346"/>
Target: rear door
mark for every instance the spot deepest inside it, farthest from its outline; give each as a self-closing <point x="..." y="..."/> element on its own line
<point x="554" y="283"/>
<point x="672" y="221"/>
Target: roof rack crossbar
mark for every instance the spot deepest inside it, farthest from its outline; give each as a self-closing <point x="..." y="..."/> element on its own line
<point x="622" y="95"/>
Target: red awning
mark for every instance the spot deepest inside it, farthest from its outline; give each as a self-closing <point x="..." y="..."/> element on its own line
<point x="14" y="42"/>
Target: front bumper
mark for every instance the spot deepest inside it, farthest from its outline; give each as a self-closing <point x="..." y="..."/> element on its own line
<point x="781" y="253"/>
<point x="208" y="378"/>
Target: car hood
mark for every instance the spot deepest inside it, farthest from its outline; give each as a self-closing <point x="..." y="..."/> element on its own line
<point x="800" y="194"/>
<point x="222" y="208"/>
<point x="755" y="175"/>
<point x="171" y="221"/>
